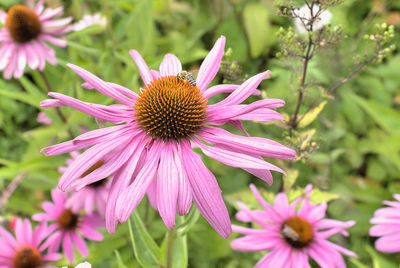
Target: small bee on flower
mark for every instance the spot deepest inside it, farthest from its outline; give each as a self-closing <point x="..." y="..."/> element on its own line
<point x="186" y="76"/>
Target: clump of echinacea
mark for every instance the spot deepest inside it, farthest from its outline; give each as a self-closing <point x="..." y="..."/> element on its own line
<point x="157" y="128"/>
<point x="387" y="226"/>
<point x="28" y="248"/>
<point x="24" y="35"/>
<point x="291" y="235"/>
<point x="69" y="227"/>
<point x="92" y="197"/>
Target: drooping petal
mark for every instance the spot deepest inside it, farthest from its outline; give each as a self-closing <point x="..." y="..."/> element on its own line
<point x="236" y="159"/>
<point x="119" y="183"/>
<point x="185" y="192"/>
<point x="167" y="187"/>
<point x="87" y="159"/>
<point x="206" y="192"/>
<point x="250" y="145"/>
<point x="131" y="196"/>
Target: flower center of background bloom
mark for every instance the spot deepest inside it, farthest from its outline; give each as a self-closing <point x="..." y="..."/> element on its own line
<point x="297" y="232"/>
<point x="23" y="24"/>
<point x="171" y="109"/>
<point x="68" y="220"/>
<point x="27" y="257"/>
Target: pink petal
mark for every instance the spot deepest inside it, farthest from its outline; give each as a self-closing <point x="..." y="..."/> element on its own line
<point x="247" y="145"/>
<point x="218" y="89"/>
<point x="206" y="192"/>
<point x="80" y="244"/>
<point x="143" y="68"/>
<point x="112" y="165"/>
<point x="185" y="193"/>
<point x="89" y="233"/>
<point x="120" y="182"/>
<point x="219" y="115"/>
<point x="235" y="159"/>
<point x="131" y="196"/>
<point x="68" y="248"/>
<point x="100" y="85"/>
<point x="256" y="242"/>
<point x="8" y="238"/>
<point x="245" y="90"/>
<point x="170" y="66"/>
<point x="87" y="159"/>
<point x="55" y="41"/>
<point x="167" y="188"/>
<point x="210" y="65"/>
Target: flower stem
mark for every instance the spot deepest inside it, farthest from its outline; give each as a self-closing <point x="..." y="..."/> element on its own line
<point x="170" y="246"/>
<point x="11" y="188"/>
<point x="58" y="110"/>
<point x="306" y="58"/>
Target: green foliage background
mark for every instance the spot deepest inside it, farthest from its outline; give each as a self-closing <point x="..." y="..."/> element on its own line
<point x="358" y="132"/>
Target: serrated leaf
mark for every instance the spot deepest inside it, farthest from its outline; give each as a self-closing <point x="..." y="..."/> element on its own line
<point x="310" y="116"/>
<point x="256" y="23"/>
<point x="146" y="251"/>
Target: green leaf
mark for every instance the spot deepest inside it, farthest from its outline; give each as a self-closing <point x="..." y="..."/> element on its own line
<point x="20" y="96"/>
<point x="256" y="23"/>
<point x="120" y="263"/>
<point x="146" y="251"/>
<point x="386" y="117"/>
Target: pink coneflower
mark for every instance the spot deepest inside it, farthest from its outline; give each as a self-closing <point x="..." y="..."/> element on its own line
<point x="69" y="226"/>
<point x="152" y="149"/>
<point x="387" y="226"/>
<point x="91" y="197"/>
<point x="28" y="247"/>
<point x="23" y="37"/>
<point x="291" y="236"/>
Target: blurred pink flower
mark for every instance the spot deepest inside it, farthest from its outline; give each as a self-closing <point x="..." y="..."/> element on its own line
<point x="291" y="236"/>
<point x="23" y="37"/>
<point x="387" y="226"/>
<point x="152" y="149"/>
<point x="28" y="247"/>
<point x="89" y="20"/>
<point x="44" y="119"/>
<point x="91" y="196"/>
<point x="69" y="226"/>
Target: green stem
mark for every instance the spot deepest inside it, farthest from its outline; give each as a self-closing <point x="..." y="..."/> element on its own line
<point x="170" y="246"/>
